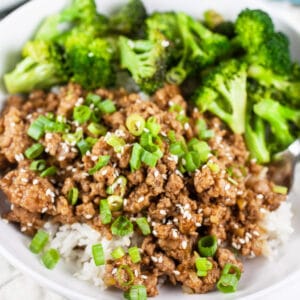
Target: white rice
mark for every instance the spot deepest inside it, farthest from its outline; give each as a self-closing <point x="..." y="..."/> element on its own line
<point x="74" y="243"/>
<point x="278" y="229"/>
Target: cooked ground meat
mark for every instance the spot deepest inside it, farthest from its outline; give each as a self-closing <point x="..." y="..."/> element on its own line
<point x="224" y="197"/>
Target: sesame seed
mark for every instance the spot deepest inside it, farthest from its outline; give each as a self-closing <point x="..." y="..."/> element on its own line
<point x="154" y="232"/>
<point x="175" y="233"/>
<point x="160" y="259"/>
<point x="178" y="173"/>
<point x="44" y="209"/>
<point x="186" y="126"/>
<point x="154" y="259"/>
<point x="25" y="180"/>
<point x="198" y="224"/>
<point x="242" y="241"/>
<point x="163" y="212"/>
<point x="136" y="273"/>
<point x="227" y="187"/>
<point x="23" y="228"/>
<point x="104" y="172"/>
<point x="177" y="273"/>
<point x="140" y="199"/>
<point x="88" y="216"/>
<point x="256" y="233"/>
<point x="165" y="43"/>
<point x="184" y="244"/>
<point x="19" y="157"/>
<point x="144" y="276"/>
<point x="114" y="271"/>
<point x="12" y="206"/>
<point x="260" y="196"/>
<point x="156" y="173"/>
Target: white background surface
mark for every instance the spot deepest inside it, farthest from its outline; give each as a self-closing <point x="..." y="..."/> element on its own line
<point x="16" y="286"/>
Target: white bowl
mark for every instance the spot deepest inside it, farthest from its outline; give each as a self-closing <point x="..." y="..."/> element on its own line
<point x="260" y="274"/>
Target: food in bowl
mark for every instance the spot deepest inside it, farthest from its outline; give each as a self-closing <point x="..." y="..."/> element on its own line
<point x="171" y="181"/>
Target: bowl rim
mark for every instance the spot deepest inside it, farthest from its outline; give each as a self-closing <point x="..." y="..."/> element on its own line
<point x="44" y="281"/>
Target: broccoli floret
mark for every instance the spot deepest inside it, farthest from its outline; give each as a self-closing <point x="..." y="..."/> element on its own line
<point x="79" y="13"/>
<point x="89" y="61"/>
<point x="253" y="27"/>
<point x="201" y="47"/>
<point x="255" y="138"/>
<point x="166" y="24"/>
<point x="145" y="60"/>
<point x="42" y="66"/>
<point x="279" y="118"/>
<point x="129" y="19"/>
<point x="212" y="19"/>
<point x="223" y="93"/>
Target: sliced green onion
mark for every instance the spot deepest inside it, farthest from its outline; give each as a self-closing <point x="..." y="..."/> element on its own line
<point x="73" y="138"/>
<point x="135" y="124"/>
<point x="107" y="107"/>
<point x="83" y="146"/>
<point x="135" y="158"/>
<point x="92" y="99"/>
<point x="279" y="189"/>
<point x="203" y="265"/>
<point x="149" y="158"/>
<point x="36" y="128"/>
<point x="202" y="131"/>
<point x="103" y="160"/>
<point x="73" y="195"/>
<point x="134" y="254"/>
<point x="38" y="165"/>
<point x="51" y="258"/>
<point x="121" y="226"/>
<point x="128" y="273"/>
<point x="188" y="162"/>
<point x="105" y="213"/>
<point x="97" y="129"/>
<point x="34" y="151"/>
<point x="82" y="114"/>
<point x="39" y="241"/>
<point x="136" y="292"/>
<point x="153" y="126"/>
<point x="201" y="148"/>
<point x="115" y="202"/>
<point x="116" y="142"/>
<point x="229" y="279"/>
<point x="146" y="141"/>
<point x="213" y="167"/>
<point x="177" y="148"/>
<point x="98" y="254"/>
<point x="143" y="225"/>
<point x="172" y="136"/>
<point x="232" y="181"/>
<point x="49" y="172"/>
<point x="117" y="253"/>
<point x="119" y="184"/>
<point x="91" y="141"/>
<point x="56" y="127"/>
<point x="208" y="246"/>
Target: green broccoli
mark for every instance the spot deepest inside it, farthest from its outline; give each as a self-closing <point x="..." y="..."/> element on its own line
<point x="201" y="48"/>
<point x="255" y="138"/>
<point x="79" y="13"/>
<point x="129" y="19"/>
<point x="253" y="28"/>
<point x="223" y="93"/>
<point x="145" y="60"/>
<point x="42" y="66"/>
<point x="279" y="118"/>
<point x="89" y="61"/>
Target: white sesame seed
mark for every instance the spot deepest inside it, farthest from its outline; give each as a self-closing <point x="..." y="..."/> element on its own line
<point x="88" y="216"/>
<point x="175" y="233"/>
<point x="44" y="209"/>
<point x="242" y="241"/>
<point x="177" y="273"/>
<point x="12" y="206"/>
<point x="154" y="259"/>
<point x="178" y="173"/>
<point x="160" y="259"/>
<point x="154" y="232"/>
<point x="186" y="126"/>
<point x="104" y="172"/>
<point x="156" y="173"/>
<point x="136" y="273"/>
<point x="165" y="43"/>
<point x="227" y="187"/>
<point x="25" y="180"/>
<point x="144" y="276"/>
<point x="256" y="233"/>
<point x="114" y="271"/>
<point x="184" y="244"/>
<point x="198" y="224"/>
<point x="19" y="157"/>
<point x="163" y="212"/>
<point x="140" y="199"/>
<point x="260" y="196"/>
<point x="23" y="228"/>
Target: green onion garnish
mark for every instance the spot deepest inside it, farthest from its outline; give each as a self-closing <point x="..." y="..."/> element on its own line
<point x="38" y="165"/>
<point x="117" y="253"/>
<point x="134" y="254"/>
<point x="150" y="159"/>
<point x="50" y="258"/>
<point x="118" y="187"/>
<point x="92" y="99"/>
<point x="39" y="241"/>
<point x="105" y="212"/>
<point x="201" y="147"/>
<point x="135" y="124"/>
<point x="115" y="202"/>
<point x="120" y="276"/>
<point x="98" y="254"/>
<point x="153" y="126"/>
<point x="116" y="142"/>
<point x="136" y="292"/>
<point x="49" y="172"/>
<point x="135" y="158"/>
<point x="97" y="129"/>
<point x="82" y="114"/>
<point x="279" y="189"/>
<point x="73" y="195"/>
<point x="103" y="160"/>
<point x="34" y="151"/>
<point x="91" y="141"/>
<point x="202" y="131"/>
<point x="229" y="279"/>
<point x="213" y="167"/>
<point x="36" y="128"/>
<point x="203" y="265"/>
<point x="188" y="162"/>
<point x="83" y="146"/>
<point x="73" y="138"/>
<point x="121" y="226"/>
<point x="143" y="225"/>
<point x="177" y="148"/>
<point x="107" y="107"/>
<point x="208" y="245"/>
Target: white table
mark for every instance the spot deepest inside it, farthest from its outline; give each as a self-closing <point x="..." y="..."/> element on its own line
<point x="15" y="286"/>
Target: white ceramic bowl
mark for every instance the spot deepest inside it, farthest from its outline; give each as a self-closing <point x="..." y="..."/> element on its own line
<point x="260" y="274"/>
